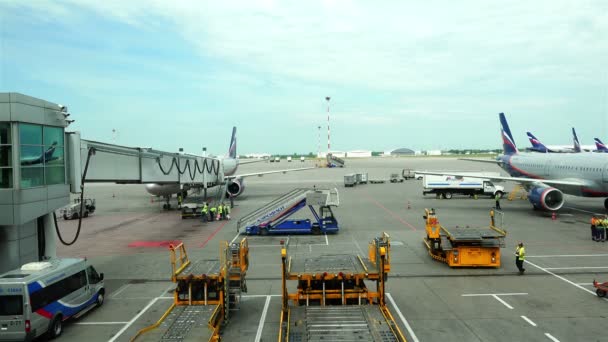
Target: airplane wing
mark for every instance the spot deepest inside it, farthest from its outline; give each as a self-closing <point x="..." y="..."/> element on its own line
<point x="493" y="161"/>
<point x="523" y="180"/>
<point x="260" y="174"/>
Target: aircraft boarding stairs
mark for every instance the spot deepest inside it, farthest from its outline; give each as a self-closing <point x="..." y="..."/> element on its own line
<point x="333" y="161"/>
<point x="272" y="217"/>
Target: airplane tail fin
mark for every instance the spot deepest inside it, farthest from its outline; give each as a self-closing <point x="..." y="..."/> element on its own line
<point x="600" y="145"/>
<point x="508" y="144"/>
<point x="577" y="144"/>
<point x="536" y="144"/>
<point x="232" y="148"/>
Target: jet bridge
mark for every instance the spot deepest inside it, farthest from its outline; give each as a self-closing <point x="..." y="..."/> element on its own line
<point x="41" y="163"/>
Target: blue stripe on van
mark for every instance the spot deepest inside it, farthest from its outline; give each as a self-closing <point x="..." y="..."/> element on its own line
<point x="33" y="287"/>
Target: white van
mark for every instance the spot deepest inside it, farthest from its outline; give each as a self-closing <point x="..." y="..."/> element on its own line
<point x="38" y="297"/>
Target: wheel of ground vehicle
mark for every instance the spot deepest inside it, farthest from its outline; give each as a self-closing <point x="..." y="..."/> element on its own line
<point x="86" y="214"/>
<point x="65" y="216"/>
<point x="263" y="231"/>
<point x="447" y="195"/>
<point x="100" y="298"/>
<point x="56" y="327"/>
<point x="74" y="216"/>
<point x="316" y="230"/>
<point x="600" y="293"/>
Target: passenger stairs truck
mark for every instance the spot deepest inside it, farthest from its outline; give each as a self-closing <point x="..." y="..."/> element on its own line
<point x="333" y="161"/>
<point x="274" y="217"/>
<point x="445" y="186"/>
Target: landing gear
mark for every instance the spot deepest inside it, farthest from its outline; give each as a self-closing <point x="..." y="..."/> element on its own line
<point x="167" y="206"/>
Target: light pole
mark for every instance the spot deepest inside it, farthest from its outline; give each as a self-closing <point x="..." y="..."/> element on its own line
<point x="319" y="143"/>
<point x="327" y="98"/>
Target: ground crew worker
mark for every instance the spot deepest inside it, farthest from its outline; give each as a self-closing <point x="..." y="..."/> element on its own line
<point x="520" y="255"/>
<point x="227" y="211"/>
<point x="594" y="223"/>
<point x="204" y="212"/>
<point x="602" y="229"/>
<point x="179" y="201"/>
<point x="212" y="211"/>
<point x="497" y="198"/>
<point x="220" y="211"/>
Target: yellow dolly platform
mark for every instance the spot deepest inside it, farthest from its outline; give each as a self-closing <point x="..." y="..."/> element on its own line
<point x="332" y="301"/>
<point x="206" y="292"/>
<point x="464" y="247"/>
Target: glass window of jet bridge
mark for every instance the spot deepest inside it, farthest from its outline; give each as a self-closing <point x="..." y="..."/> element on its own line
<point x="6" y="156"/>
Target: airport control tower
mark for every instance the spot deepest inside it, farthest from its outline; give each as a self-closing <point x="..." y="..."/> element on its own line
<point x="33" y="177"/>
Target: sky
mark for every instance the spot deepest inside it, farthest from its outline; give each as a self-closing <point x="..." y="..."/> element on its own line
<point x="422" y="75"/>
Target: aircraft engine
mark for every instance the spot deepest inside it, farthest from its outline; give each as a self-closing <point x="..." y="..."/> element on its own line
<point x="235" y="187"/>
<point x="547" y="198"/>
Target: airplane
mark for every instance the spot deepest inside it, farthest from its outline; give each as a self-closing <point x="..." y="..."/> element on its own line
<point x="548" y="176"/>
<point x="538" y="146"/>
<point x="44" y="158"/>
<point x="230" y="164"/>
<point x="600" y="145"/>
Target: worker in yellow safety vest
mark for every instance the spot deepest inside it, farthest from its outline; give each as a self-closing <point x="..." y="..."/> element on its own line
<point x="204" y="212"/>
<point x="212" y="211"/>
<point x="520" y="256"/>
<point x="179" y="201"/>
<point x="601" y="229"/>
<point x="227" y="211"/>
<point x="594" y="228"/>
<point x="220" y="211"/>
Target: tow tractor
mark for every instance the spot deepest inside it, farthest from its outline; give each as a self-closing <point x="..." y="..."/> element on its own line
<point x="464" y="247"/>
<point x="332" y="301"/>
<point x="601" y="288"/>
<point x="72" y="211"/>
<point x="207" y="293"/>
<point x="273" y="218"/>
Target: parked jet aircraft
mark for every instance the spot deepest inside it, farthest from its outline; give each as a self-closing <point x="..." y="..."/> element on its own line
<point x="548" y="176"/>
<point x="600" y="146"/>
<point x="229" y="164"/>
<point x="44" y="158"/>
<point x="538" y="146"/>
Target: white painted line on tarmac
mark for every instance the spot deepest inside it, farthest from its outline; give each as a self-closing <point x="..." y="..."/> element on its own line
<point x="119" y="291"/>
<point x="405" y="323"/>
<point x="585" y="284"/>
<point x="121" y="331"/>
<point x="528" y="320"/>
<point x="551" y="337"/>
<point x="236" y="237"/>
<point x="494" y="294"/>
<point x="258" y="336"/>
<point x="566" y="255"/>
<point x="576" y="268"/>
<point x="585" y="211"/>
<point x="326" y="240"/>
<point x="502" y="301"/>
<point x="258" y="296"/>
<point x="562" y="278"/>
<point x="99" y="323"/>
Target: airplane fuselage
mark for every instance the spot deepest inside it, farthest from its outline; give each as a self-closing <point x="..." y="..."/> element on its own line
<point x="589" y="168"/>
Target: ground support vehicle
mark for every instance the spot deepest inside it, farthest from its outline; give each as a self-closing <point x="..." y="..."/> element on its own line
<point x="273" y="218"/>
<point x="361" y="177"/>
<point x="333" y="161"/>
<point x="464" y="247"/>
<point x="39" y="297"/>
<point x="601" y="288"/>
<point x="207" y="294"/>
<point x="446" y="186"/>
<point x="350" y="180"/>
<point x="191" y="210"/>
<point x="377" y="181"/>
<point x="332" y="300"/>
<point x="395" y="178"/>
<point x="408" y="174"/>
<point x="72" y="211"/>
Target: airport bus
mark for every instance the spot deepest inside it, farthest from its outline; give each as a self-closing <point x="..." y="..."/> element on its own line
<point x="38" y="297"/>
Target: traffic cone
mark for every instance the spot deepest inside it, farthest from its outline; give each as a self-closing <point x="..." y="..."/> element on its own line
<point x="553" y="216"/>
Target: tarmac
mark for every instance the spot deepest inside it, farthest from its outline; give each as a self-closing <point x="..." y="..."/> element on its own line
<point x="127" y="239"/>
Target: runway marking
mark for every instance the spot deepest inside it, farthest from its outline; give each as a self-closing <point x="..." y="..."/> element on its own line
<point x="562" y="278"/>
<point x="379" y="205"/>
<point x="551" y="337"/>
<point x="258" y="336"/>
<point x="585" y="284"/>
<point x="326" y="240"/>
<point x="502" y="301"/>
<point x="259" y="296"/>
<point x="99" y="323"/>
<point x="575" y="268"/>
<point x="122" y="288"/>
<point x="584" y="211"/>
<point x="216" y="231"/>
<point x="405" y="322"/>
<point x="494" y="294"/>
<point x="528" y="320"/>
<point x="121" y="331"/>
<point x="566" y="255"/>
